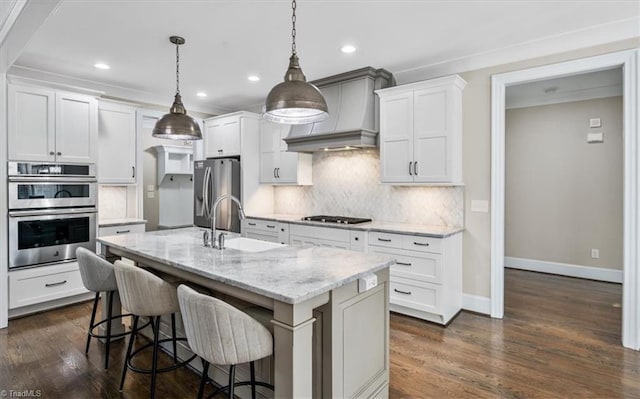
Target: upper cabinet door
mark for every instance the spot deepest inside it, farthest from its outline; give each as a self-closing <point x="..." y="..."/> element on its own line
<point x="432" y="116"/>
<point x="396" y="138"/>
<point x="269" y="151"/>
<point x="222" y="137"/>
<point x="31" y="124"/>
<point x="76" y="128"/>
<point x="117" y="139"/>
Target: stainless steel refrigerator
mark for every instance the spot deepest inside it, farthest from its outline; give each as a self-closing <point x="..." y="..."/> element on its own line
<point x="213" y="178"/>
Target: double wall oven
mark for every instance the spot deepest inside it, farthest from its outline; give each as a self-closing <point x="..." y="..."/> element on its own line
<point x="52" y="212"/>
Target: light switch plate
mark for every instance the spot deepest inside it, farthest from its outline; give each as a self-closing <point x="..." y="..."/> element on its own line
<point x="151" y="187"/>
<point x="480" y="206"/>
<point x="595" y="122"/>
<point x="151" y="194"/>
<point x="597" y="137"/>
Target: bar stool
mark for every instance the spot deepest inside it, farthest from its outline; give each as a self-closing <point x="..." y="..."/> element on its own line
<point x="223" y="335"/>
<point x="145" y="294"/>
<point x="98" y="276"/>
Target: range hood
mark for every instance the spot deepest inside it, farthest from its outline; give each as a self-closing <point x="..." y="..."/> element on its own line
<point x="353" y="113"/>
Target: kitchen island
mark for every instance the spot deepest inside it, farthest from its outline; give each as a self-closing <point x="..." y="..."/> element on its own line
<point x="330" y="337"/>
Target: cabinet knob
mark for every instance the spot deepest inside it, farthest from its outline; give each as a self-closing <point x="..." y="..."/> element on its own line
<point x="357" y="238"/>
<point x="52" y="153"/>
<point x="59" y="153"/>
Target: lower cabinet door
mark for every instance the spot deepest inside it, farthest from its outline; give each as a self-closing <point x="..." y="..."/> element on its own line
<point x="46" y="283"/>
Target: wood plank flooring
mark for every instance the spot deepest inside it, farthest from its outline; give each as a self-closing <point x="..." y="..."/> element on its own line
<point x="560" y="339"/>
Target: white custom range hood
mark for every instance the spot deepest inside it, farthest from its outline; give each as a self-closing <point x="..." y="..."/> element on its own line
<point x="353" y="113"/>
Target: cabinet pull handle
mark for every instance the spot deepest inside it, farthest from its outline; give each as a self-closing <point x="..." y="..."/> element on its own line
<point x="278" y="173"/>
<point x="415" y="168"/>
<point x="403" y="263"/>
<point x="219" y="151"/>
<point x="56" y="284"/>
<point x="422" y="244"/>
<point x="384" y="240"/>
<point x="52" y="153"/>
<point x="402" y="292"/>
<point x="251" y="224"/>
<point x="274" y="172"/>
<point x="271" y="226"/>
<point x="133" y="172"/>
<point x="123" y="231"/>
<point x="410" y="168"/>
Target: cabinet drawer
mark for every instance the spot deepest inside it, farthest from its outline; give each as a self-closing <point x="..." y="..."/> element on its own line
<point x="124" y="229"/>
<point x="41" y="284"/>
<point x="262" y="225"/>
<point x="423" y="244"/>
<point x="260" y="235"/>
<point x="385" y="239"/>
<point x="323" y="233"/>
<point x="419" y="296"/>
<point x="425" y="267"/>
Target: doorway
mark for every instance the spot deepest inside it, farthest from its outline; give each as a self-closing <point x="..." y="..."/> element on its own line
<point x="628" y="61"/>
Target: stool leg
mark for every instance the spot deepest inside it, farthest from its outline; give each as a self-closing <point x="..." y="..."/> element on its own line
<point x="109" y="315"/>
<point x="134" y="331"/>
<point x="205" y="377"/>
<point x="93" y="319"/>
<point x="252" y="367"/>
<point x="173" y="335"/>
<point x="154" y="366"/>
<point x="232" y="379"/>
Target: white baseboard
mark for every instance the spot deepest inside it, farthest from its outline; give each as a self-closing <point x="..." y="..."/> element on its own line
<point x="476" y="303"/>
<point x="565" y="269"/>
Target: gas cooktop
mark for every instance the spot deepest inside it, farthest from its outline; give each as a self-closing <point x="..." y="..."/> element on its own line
<point x="335" y="219"/>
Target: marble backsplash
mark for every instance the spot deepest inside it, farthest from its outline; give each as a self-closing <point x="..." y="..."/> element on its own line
<point x="347" y="183"/>
<point x="112" y="202"/>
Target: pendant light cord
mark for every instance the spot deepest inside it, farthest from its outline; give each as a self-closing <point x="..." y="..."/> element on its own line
<point x="177" y="68"/>
<point x="293" y="29"/>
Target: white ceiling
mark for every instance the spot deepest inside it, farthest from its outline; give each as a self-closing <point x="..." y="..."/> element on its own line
<point x="227" y="40"/>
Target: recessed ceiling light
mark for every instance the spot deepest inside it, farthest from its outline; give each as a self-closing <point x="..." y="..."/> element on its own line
<point x="201" y="94"/>
<point x="101" y="65"/>
<point x="348" y="49"/>
<point x="254" y="78"/>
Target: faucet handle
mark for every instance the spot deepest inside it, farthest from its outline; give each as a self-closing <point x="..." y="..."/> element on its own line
<point x="221" y="240"/>
<point x="205" y="238"/>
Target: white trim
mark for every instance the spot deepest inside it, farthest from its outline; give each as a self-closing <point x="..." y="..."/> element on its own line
<point x="12" y="16"/>
<point x="4" y="247"/>
<point x="476" y="303"/>
<point x="566" y="97"/>
<point x="629" y="61"/>
<point x="565" y="269"/>
<point x="570" y="41"/>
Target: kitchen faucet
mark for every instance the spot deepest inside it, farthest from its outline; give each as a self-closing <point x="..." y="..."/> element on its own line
<point x="216" y="241"/>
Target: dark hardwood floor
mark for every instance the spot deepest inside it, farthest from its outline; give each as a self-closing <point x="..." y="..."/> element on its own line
<point x="560" y="339"/>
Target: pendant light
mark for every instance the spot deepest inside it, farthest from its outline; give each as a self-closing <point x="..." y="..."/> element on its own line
<point x="177" y="125"/>
<point x="295" y="101"/>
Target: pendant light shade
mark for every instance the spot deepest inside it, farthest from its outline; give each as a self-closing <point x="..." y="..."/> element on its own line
<point x="177" y="125"/>
<point x="295" y="101"/>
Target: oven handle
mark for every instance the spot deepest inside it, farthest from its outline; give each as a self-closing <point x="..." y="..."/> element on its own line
<point x="56" y="211"/>
<point x="55" y="179"/>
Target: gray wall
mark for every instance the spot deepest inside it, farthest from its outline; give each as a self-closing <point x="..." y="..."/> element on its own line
<point x="564" y="195"/>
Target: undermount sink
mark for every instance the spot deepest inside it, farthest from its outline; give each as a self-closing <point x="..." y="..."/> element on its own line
<point x="250" y="245"/>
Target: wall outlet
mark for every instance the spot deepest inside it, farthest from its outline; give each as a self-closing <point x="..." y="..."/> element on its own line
<point x="151" y="194"/>
<point x="151" y="187"/>
<point x="597" y="137"/>
<point x="367" y="282"/>
<point x="595" y="253"/>
<point x="595" y="122"/>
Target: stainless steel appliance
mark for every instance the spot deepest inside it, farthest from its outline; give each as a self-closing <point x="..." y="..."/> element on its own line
<point x="335" y="219"/>
<point x="52" y="211"/>
<point x="213" y="178"/>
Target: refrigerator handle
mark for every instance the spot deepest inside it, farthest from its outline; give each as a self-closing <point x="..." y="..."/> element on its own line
<point x="205" y="193"/>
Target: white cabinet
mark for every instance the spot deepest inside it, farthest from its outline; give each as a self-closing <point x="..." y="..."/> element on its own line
<point x="277" y="166"/>
<point x="421" y="132"/>
<point x="327" y="237"/>
<point x="52" y="126"/>
<point x="117" y="143"/>
<point x="222" y="135"/>
<point x="426" y="281"/>
<point x="266" y="230"/>
<point x="42" y="284"/>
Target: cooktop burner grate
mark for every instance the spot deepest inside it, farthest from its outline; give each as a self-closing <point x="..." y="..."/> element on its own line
<point x="335" y="219"/>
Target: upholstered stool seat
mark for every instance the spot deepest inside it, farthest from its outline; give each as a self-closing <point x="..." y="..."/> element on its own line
<point x="98" y="276"/>
<point x="147" y="295"/>
<point x="223" y="335"/>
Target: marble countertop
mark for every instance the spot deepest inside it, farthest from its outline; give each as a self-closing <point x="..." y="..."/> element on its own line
<point x="291" y="274"/>
<point x="380" y="226"/>
<point x="120" y="222"/>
